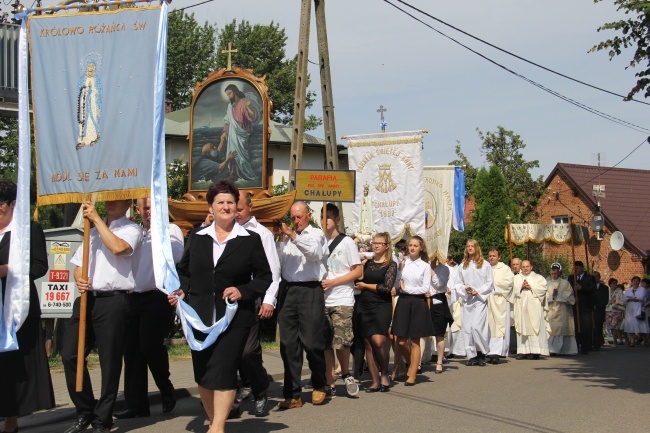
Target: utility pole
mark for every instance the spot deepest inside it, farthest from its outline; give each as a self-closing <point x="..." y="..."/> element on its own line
<point x="300" y="97"/>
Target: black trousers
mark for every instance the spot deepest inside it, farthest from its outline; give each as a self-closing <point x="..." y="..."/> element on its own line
<point x="105" y="329"/>
<point x="599" y="321"/>
<point x="358" y="345"/>
<point x="585" y="336"/>
<point x="301" y="319"/>
<point x="149" y="319"/>
<point x="251" y="370"/>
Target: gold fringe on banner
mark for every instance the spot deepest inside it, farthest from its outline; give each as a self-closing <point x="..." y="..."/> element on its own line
<point x="78" y="197"/>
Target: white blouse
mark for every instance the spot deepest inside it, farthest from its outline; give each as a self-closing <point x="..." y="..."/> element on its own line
<point x="416" y="276"/>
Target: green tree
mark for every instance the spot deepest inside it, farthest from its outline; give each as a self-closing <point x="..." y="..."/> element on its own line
<point x="503" y="149"/>
<point x="191" y="56"/>
<point x="493" y="205"/>
<point x="634" y="33"/>
<point x="262" y="49"/>
<point x="8" y="147"/>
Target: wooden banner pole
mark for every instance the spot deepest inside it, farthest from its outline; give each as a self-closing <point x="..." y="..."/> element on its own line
<point x="509" y="240"/>
<point x="575" y="275"/>
<point x="81" y="347"/>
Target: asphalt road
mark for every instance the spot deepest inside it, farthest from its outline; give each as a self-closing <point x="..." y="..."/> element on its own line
<point x="602" y="392"/>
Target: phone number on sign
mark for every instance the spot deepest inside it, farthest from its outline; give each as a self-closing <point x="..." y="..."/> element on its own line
<point x="57" y="304"/>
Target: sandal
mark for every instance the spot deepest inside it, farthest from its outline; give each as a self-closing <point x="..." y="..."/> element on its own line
<point x="439" y="369"/>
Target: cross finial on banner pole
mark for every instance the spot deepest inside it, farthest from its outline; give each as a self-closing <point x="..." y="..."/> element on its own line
<point x="381" y="110"/>
<point x="230" y="52"/>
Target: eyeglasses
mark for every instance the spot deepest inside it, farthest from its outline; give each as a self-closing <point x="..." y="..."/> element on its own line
<point x="383" y="244"/>
<point x="402" y="248"/>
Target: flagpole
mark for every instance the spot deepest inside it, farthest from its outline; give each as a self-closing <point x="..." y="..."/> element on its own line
<point x="509" y="240"/>
<point x="81" y="346"/>
<point x="575" y="275"/>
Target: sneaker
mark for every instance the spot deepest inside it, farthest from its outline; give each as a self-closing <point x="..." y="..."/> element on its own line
<point x="351" y="386"/>
<point x="330" y="391"/>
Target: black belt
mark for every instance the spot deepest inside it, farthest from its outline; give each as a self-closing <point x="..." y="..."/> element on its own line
<point x="310" y="284"/>
<point x="109" y="293"/>
<point x="148" y="292"/>
<point x="408" y="295"/>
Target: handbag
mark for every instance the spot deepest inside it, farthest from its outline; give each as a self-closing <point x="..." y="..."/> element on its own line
<point x="641" y="316"/>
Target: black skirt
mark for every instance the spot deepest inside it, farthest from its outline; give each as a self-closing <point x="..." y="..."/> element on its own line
<point x="440" y="315"/>
<point x="215" y="368"/>
<point x="25" y="382"/>
<point x="375" y="318"/>
<point x="412" y="318"/>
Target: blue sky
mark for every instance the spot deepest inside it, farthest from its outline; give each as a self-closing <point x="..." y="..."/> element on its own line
<point x="380" y="56"/>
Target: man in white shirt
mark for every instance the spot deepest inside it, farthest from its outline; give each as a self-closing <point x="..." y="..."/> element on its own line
<point x="253" y="375"/>
<point x="301" y="317"/>
<point x="110" y="278"/>
<point x="149" y="319"/>
<point x="343" y="267"/>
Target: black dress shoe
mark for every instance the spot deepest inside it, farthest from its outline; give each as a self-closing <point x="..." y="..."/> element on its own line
<point x="168" y="403"/>
<point x="481" y="362"/>
<point x="81" y="424"/>
<point x="100" y="428"/>
<point x="521" y="356"/>
<point x="472" y="362"/>
<point x="260" y="405"/>
<point x="131" y="413"/>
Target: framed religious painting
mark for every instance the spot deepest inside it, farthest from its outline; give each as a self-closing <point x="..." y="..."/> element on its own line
<point x="229" y="131"/>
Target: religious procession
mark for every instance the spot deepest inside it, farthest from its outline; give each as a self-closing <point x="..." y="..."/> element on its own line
<point x="215" y="225"/>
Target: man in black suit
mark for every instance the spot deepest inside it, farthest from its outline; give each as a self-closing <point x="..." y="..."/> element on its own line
<point x="584" y="286"/>
<point x="601" y="299"/>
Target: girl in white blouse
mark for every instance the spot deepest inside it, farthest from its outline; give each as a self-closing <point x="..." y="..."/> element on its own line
<point x="412" y="320"/>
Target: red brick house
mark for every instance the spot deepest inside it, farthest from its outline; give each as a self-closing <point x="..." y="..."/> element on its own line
<point x="624" y="207"/>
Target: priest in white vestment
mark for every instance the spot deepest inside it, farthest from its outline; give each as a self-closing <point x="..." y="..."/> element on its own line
<point x="530" y="313"/>
<point x="499" y="307"/>
<point x="561" y="299"/>
<point x="474" y="286"/>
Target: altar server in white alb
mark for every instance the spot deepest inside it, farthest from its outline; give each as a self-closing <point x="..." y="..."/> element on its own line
<point x="455" y="340"/>
<point x="530" y="313"/>
<point x="474" y="285"/>
<point x="499" y="307"/>
<point x="561" y="299"/>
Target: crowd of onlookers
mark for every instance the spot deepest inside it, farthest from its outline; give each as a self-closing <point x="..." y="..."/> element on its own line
<point x="628" y="312"/>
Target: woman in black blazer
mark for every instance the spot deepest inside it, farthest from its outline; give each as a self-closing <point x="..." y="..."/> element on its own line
<point x="222" y="261"/>
<point x="25" y="382"/>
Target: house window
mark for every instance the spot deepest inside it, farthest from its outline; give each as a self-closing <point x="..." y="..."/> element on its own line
<point x="563" y="219"/>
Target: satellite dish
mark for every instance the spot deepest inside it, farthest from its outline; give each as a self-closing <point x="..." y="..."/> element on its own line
<point x="616" y="241"/>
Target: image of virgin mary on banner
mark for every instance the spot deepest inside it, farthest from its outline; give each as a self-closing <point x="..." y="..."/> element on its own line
<point x="390" y="187"/>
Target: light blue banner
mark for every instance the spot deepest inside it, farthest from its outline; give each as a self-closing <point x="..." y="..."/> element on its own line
<point x="459" y="200"/>
<point x="93" y="78"/>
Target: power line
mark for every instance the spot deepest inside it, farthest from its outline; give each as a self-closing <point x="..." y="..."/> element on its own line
<point x="519" y="57"/>
<point x="540" y="86"/>
<point x="191" y="6"/>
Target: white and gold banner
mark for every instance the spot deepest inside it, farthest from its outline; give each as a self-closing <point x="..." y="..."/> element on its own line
<point x="438" y="209"/>
<point x="389" y="194"/>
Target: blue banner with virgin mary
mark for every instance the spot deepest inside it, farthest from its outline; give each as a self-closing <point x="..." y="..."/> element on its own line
<point x="93" y="79"/>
